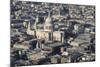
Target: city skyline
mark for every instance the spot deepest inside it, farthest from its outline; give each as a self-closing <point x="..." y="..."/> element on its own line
<point x="51" y="33"/>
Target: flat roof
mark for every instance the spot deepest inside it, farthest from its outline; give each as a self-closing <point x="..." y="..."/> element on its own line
<point x="57" y="44"/>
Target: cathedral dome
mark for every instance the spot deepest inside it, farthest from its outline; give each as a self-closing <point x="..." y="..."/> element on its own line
<point x="48" y="26"/>
<point x="48" y="20"/>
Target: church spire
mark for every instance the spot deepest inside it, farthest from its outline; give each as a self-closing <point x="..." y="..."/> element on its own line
<point x="36" y="21"/>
